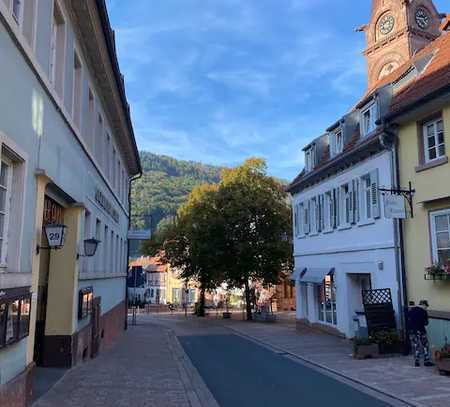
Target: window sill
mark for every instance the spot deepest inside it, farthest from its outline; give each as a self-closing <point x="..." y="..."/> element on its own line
<point x="328" y="231"/>
<point x="345" y="227"/>
<point x="432" y="164"/>
<point x="366" y="222"/>
<point x="314" y="234"/>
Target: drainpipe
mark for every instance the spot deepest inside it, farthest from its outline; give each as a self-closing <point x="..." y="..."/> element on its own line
<point x="130" y="180"/>
<point x="392" y="145"/>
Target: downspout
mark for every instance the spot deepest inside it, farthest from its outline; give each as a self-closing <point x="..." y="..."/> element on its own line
<point x="130" y="180"/>
<point x="398" y="227"/>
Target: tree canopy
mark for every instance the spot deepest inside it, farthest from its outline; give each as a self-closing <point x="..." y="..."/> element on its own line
<point x="235" y="231"/>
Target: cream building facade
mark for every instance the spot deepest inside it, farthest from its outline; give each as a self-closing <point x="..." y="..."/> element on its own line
<point x="67" y="156"/>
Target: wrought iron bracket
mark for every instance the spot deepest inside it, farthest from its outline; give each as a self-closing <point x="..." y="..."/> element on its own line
<point x="408" y="194"/>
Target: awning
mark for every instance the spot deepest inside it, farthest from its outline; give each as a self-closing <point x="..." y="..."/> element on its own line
<point x="311" y="275"/>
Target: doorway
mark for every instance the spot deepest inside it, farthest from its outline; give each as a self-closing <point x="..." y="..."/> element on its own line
<point x="356" y="284"/>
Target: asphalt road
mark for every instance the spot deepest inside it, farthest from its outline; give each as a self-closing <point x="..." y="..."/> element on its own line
<point x="239" y="373"/>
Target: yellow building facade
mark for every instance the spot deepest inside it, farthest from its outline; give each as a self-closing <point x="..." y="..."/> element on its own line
<point x="422" y="122"/>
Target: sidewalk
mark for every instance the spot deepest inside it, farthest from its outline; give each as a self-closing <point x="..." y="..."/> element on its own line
<point x="146" y="368"/>
<point x="394" y="376"/>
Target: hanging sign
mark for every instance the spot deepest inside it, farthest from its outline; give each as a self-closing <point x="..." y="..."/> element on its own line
<point x="394" y="207"/>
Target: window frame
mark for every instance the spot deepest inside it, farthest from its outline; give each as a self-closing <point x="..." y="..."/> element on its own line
<point x="426" y="149"/>
<point x="310" y="157"/>
<point x="365" y="204"/>
<point x="433" y="232"/>
<point x="4" y="238"/>
<point x="372" y="109"/>
<point x="85" y="302"/>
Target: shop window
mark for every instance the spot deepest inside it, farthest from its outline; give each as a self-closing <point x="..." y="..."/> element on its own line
<point x="14" y="316"/>
<point x="434" y="142"/>
<point x="85" y="303"/>
<point x="326" y="301"/>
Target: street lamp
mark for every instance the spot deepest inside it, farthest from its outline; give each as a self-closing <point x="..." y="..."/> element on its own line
<point x="55" y="234"/>
<point x="90" y="248"/>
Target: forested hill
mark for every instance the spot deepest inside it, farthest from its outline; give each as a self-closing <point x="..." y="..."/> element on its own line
<point x="164" y="186"/>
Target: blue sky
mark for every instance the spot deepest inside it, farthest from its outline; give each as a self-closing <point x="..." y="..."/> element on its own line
<point x="218" y="81"/>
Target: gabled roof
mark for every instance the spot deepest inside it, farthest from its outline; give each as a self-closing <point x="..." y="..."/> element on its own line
<point x="427" y="73"/>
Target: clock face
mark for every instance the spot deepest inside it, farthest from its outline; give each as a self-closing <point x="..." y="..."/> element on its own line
<point x="422" y="18"/>
<point x="386" y="24"/>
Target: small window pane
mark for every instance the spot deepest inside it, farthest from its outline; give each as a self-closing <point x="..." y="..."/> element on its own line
<point x="430" y="130"/>
<point x="441" y="223"/>
<point x="4" y="174"/>
<point x="25" y="306"/>
<point x="443" y="256"/>
<point x="12" y="322"/>
<point x="431" y="142"/>
<point x="443" y="240"/>
<point x="441" y="150"/>
<point x="432" y="154"/>
<point x="440" y="126"/>
<point x="3" y="309"/>
<point x="440" y="138"/>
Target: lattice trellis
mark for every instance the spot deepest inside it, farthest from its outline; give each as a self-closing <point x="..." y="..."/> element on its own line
<point x="375" y="297"/>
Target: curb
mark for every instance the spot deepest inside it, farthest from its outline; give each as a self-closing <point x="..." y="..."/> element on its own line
<point x="307" y="361"/>
<point x="196" y="389"/>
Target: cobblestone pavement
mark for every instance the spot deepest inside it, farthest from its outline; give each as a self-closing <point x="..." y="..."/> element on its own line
<point x="394" y="376"/>
<point x="144" y="369"/>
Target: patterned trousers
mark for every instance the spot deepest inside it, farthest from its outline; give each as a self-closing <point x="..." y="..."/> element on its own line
<point x="419" y="341"/>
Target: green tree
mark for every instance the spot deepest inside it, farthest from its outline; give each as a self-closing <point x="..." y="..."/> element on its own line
<point x="256" y="216"/>
<point x="194" y="243"/>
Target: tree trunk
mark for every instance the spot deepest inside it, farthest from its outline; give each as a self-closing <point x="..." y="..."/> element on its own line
<point x="201" y="305"/>
<point x="248" y="303"/>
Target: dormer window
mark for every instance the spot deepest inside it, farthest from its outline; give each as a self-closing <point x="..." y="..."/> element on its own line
<point x="368" y="119"/>
<point x="336" y="141"/>
<point x="310" y="158"/>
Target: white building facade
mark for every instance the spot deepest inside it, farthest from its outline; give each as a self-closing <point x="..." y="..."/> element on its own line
<point x="343" y="243"/>
<point x="67" y="156"/>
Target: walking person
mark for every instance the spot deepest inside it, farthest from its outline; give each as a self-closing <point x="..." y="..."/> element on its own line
<point x="418" y="321"/>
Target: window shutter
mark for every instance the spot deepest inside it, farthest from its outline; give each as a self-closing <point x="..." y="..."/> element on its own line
<point x="351" y="201"/>
<point x="296" y="225"/>
<point x="374" y="194"/>
<point x="332" y="211"/>
<point x="337" y="201"/>
<point x="307" y="216"/>
<point x="357" y="205"/>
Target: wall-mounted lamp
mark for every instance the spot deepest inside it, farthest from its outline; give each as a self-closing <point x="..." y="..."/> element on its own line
<point x="90" y="248"/>
<point x="55" y="236"/>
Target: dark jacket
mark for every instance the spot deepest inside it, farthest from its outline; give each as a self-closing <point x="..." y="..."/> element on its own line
<point x="417" y="320"/>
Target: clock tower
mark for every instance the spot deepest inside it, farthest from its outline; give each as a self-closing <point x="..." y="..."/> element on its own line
<point x="397" y="30"/>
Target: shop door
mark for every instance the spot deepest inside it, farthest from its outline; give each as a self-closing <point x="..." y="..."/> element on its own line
<point x="95" y="325"/>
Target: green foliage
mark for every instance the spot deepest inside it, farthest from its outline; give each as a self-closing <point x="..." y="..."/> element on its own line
<point x="236" y="231"/>
<point x="164" y="186"/>
<point x="386" y="337"/>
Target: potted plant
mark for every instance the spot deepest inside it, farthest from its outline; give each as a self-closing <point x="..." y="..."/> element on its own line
<point x="443" y="360"/>
<point x="388" y="341"/>
<point x="364" y="348"/>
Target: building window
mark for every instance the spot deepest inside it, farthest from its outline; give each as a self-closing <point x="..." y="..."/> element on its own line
<point x="108" y="158"/>
<point x="337" y="143"/>
<point x="17" y="9"/>
<point x="310" y="158"/>
<point x="313" y="216"/>
<point x="440" y="230"/>
<point x="434" y="140"/>
<point x="77" y="89"/>
<point x="328" y="211"/>
<point x="29" y="21"/>
<point x="57" y="49"/>
<point x="346" y="196"/>
<point x="101" y="248"/>
<point x="326" y="300"/>
<point x="368" y="119"/>
<point x="85" y="299"/>
<point x="15" y="307"/>
<point x="99" y="141"/>
<point x="6" y="172"/>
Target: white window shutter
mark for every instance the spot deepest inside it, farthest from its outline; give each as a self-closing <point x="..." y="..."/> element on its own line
<point x="337" y="201"/>
<point x="351" y="208"/>
<point x="357" y="204"/>
<point x="332" y="211"/>
<point x="375" y="194"/>
<point x="307" y="216"/>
